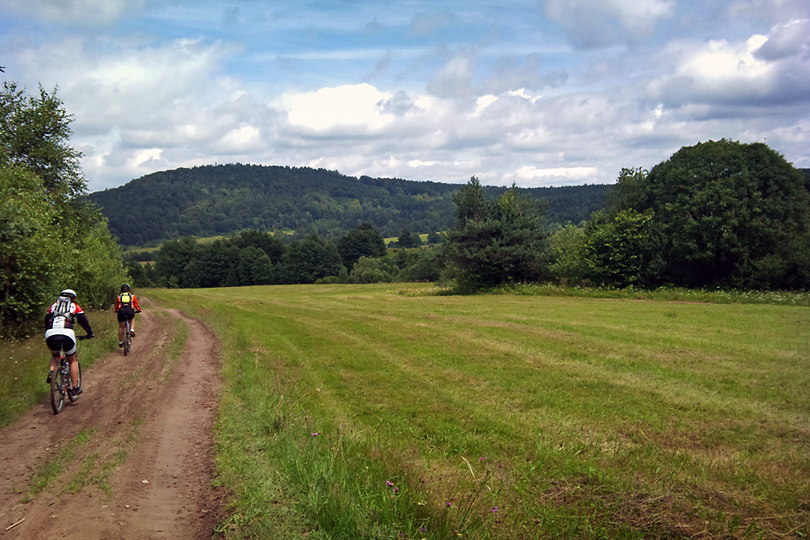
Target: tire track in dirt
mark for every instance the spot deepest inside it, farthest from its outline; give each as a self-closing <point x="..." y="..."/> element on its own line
<point x="146" y="469"/>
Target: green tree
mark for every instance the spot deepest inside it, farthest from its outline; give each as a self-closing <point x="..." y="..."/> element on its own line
<point x="407" y="239"/>
<point x="34" y="131"/>
<point x="30" y="249"/>
<point x="566" y="246"/>
<point x="729" y="214"/>
<point x="496" y="242"/>
<point x="364" y="241"/>
<point x="373" y="270"/>
<point x="52" y="238"/>
<point x="308" y="260"/>
<point x="173" y="258"/>
<point x="622" y="251"/>
<point x="265" y="241"/>
<point x="424" y="267"/>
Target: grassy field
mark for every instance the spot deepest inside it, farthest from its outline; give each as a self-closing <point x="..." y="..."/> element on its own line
<point x="387" y="411"/>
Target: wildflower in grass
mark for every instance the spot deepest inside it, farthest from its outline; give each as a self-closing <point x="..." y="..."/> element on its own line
<point x="494" y="509"/>
<point x="315" y="433"/>
<point x="389" y="483"/>
<point x="449" y="504"/>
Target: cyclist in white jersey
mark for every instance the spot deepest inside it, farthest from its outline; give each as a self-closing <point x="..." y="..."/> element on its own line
<point x="59" y="334"/>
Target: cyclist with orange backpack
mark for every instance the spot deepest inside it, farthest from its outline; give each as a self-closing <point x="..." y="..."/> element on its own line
<point x="126" y="306"/>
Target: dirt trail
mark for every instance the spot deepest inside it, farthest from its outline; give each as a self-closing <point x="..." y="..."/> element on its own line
<point x="138" y="457"/>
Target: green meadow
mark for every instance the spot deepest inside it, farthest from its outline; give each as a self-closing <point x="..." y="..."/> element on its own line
<point x="391" y="411"/>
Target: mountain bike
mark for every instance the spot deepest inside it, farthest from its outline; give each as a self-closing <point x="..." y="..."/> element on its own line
<point x="61" y="388"/>
<point x="127" y="337"/>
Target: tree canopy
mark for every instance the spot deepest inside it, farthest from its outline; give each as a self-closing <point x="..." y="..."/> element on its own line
<point x="52" y="239"/>
<point x="224" y="199"/>
<point x="496" y="241"/>
<point x="719" y="213"/>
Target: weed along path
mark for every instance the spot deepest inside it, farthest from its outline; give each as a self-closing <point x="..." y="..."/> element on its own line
<point x="133" y="457"/>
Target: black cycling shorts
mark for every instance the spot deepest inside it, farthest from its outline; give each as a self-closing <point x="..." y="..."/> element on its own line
<point x="61" y="341"/>
<point x="126" y="313"/>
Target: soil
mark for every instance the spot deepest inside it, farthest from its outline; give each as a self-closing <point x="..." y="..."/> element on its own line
<point x="136" y="447"/>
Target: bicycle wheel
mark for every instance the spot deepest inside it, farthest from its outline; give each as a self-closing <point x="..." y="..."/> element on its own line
<point x="78" y="381"/>
<point x="58" y="391"/>
<point x="127" y="340"/>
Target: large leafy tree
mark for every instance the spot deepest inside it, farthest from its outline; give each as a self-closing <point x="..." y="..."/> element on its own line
<point x="27" y="263"/>
<point x="308" y="260"/>
<point x="50" y="238"/>
<point x="364" y="241"/>
<point x="34" y="131"/>
<point x="729" y="214"/>
<point x="496" y="242"/>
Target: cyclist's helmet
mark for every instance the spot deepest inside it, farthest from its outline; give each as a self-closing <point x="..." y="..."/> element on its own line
<point x="70" y="293"/>
<point x="125" y="287"/>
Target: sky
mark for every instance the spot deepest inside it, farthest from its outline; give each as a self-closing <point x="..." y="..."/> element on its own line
<point x="532" y="93"/>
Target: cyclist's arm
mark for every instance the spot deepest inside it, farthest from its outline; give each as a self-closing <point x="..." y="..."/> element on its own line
<point x="135" y="303"/>
<point x="82" y="318"/>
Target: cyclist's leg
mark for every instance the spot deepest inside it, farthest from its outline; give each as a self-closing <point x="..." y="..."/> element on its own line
<point x="54" y="361"/>
<point x="122" y="326"/>
<point x="74" y="370"/>
<point x="132" y="323"/>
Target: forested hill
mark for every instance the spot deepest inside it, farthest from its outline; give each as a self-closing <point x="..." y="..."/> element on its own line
<point x="221" y="199"/>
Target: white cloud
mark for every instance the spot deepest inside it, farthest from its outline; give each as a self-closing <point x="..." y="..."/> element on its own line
<point x="763" y="69"/>
<point x="348" y="106"/>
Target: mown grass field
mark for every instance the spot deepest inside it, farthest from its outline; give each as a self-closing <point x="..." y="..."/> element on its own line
<point x="386" y="411"/>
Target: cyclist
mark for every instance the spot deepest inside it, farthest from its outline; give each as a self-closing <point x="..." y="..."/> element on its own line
<point x="59" y="334"/>
<point x="126" y="306"/>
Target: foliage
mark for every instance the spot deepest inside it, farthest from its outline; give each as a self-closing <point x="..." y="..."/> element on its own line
<point x="364" y="241"/>
<point x="30" y="249"/>
<point x="308" y="260"/>
<point x="52" y="239"/>
<point x="566" y="246"/>
<point x="496" y="242"/>
<point x="34" y="131"/>
<point x="223" y="199"/>
<point x="730" y="214"/>
<point x="623" y="251"/>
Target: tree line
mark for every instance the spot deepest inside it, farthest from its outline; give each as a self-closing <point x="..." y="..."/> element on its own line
<point x="254" y="257"/>
<point x="52" y="237"/>
<point x="716" y="214"/>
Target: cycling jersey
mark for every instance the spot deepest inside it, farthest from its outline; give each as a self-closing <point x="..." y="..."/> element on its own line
<point x="126" y="300"/>
<point x="61" y="318"/>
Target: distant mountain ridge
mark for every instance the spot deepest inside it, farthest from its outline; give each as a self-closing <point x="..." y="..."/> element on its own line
<point x="222" y="199"/>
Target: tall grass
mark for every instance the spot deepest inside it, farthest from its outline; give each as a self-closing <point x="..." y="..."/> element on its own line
<point x="382" y="411"/>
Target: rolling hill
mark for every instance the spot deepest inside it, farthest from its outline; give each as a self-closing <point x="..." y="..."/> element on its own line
<point x="222" y="199"/>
